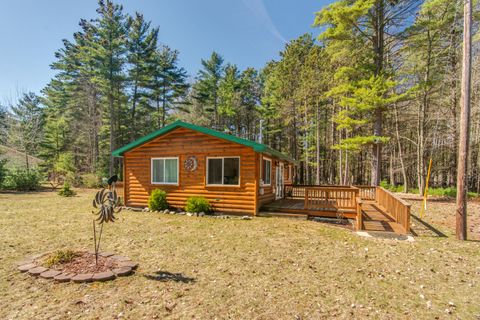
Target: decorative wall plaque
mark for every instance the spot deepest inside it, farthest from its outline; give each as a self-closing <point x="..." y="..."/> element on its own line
<point x="190" y="163"/>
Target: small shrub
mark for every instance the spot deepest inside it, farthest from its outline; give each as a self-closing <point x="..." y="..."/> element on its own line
<point x="198" y="204"/>
<point x="393" y="188"/>
<point x="65" y="166"/>
<point x="91" y="180"/>
<point x="3" y="171"/>
<point x="22" y="180"/>
<point x="384" y="184"/>
<point x="157" y="200"/>
<point x="59" y="257"/>
<point x="472" y="194"/>
<point x="66" y="190"/>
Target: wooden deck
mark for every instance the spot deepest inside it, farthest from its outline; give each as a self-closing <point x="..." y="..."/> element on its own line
<point x="297" y="206"/>
<point x="374" y="218"/>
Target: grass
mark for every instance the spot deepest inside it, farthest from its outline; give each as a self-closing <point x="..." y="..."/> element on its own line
<point x="206" y="268"/>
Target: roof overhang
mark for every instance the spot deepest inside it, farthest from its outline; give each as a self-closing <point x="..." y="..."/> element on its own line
<point x="257" y="147"/>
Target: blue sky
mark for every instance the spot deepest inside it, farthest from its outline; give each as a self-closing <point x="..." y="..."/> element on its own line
<point x="245" y="32"/>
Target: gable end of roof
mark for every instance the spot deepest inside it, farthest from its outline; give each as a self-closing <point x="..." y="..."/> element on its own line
<point x="258" y="147"/>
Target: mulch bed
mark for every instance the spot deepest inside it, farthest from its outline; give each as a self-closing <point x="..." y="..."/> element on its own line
<point x="85" y="263"/>
<point x="81" y="268"/>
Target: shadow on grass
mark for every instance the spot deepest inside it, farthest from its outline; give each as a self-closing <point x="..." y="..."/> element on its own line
<point x="428" y="226"/>
<point x="165" y="276"/>
<point x="20" y="192"/>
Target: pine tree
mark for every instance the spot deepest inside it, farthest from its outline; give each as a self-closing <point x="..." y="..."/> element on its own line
<point x="3" y="125"/>
<point x="229" y="100"/>
<point x="141" y="45"/>
<point x="370" y="32"/>
<point x="169" y="84"/>
<point x="270" y="104"/>
<point x="207" y="86"/>
<point x="109" y="49"/>
<point x="27" y="125"/>
<point x="250" y="91"/>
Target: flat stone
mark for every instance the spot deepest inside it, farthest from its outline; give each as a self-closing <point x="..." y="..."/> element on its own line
<point x="122" y="271"/>
<point x="120" y="258"/>
<point x="37" y="270"/>
<point x="50" y="273"/>
<point x="103" y="276"/>
<point x="26" y="267"/>
<point x="82" y="277"/>
<point x="129" y="264"/>
<point x="64" y="277"/>
<point x="106" y="254"/>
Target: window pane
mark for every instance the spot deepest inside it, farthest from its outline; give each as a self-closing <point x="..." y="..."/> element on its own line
<point x="171" y="171"/>
<point x="231" y="171"/>
<point x="157" y="170"/>
<point x="267" y="171"/>
<point x="214" y="171"/>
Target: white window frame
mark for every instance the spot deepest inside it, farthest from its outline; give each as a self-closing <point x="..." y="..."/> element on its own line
<point x="223" y="168"/>
<point x="165" y="158"/>
<point x="261" y="175"/>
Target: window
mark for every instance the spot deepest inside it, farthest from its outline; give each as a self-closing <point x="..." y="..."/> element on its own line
<point x="165" y="170"/>
<point x="223" y="171"/>
<point x="267" y="171"/>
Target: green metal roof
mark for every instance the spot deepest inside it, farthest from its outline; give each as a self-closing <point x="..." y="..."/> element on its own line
<point x="258" y="147"/>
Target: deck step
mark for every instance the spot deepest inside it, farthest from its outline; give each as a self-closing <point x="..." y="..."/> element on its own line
<point x="269" y="214"/>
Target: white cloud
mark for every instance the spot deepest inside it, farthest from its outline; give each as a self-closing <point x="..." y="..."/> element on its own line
<point x="259" y="9"/>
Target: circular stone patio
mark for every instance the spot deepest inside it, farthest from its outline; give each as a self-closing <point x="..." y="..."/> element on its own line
<point x="112" y="266"/>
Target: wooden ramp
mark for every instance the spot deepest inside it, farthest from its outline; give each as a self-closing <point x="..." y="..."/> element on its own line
<point x="375" y="219"/>
<point x="374" y="209"/>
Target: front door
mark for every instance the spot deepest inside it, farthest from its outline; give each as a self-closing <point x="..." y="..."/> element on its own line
<point x="279" y="181"/>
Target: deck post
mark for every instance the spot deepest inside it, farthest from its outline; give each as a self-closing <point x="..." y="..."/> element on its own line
<point x="306" y="199"/>
<point x="359" y="214"/>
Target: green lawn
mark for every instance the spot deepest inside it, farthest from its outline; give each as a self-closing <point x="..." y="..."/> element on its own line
<point x="265" y="268"/>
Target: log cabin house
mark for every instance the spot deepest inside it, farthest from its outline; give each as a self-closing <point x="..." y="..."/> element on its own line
<point x="236" y="175"/>
<point x="240" y="176"/>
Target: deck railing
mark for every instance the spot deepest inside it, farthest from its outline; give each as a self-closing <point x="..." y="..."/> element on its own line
<point x="295" y="192"/>
<point x="367" y="192"/>
<point x="298" y="191"/>
<point x="333" y="198"/>
<point x="324" y="197"/>
<point x="395" y="207"/>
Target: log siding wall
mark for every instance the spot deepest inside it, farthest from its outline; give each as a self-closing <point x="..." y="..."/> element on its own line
<point x="269" y="190"/>
<point x="183" y="143"/>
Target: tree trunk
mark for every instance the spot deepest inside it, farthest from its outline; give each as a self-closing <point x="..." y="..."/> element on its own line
<point x="112" y="131"/>
<point x="317" y="173"/>
<point x="307" y="158"/>
<point x="461" y="214"/>
<point x="378" y="48"/>
<point x="27" y="164"/>
<point x="134" y="105"/>
<point x="164" y="105"/>
<point x="400" y="153"/>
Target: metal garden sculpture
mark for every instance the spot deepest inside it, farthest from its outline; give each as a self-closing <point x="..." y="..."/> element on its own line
<point x="108" y="204"/>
